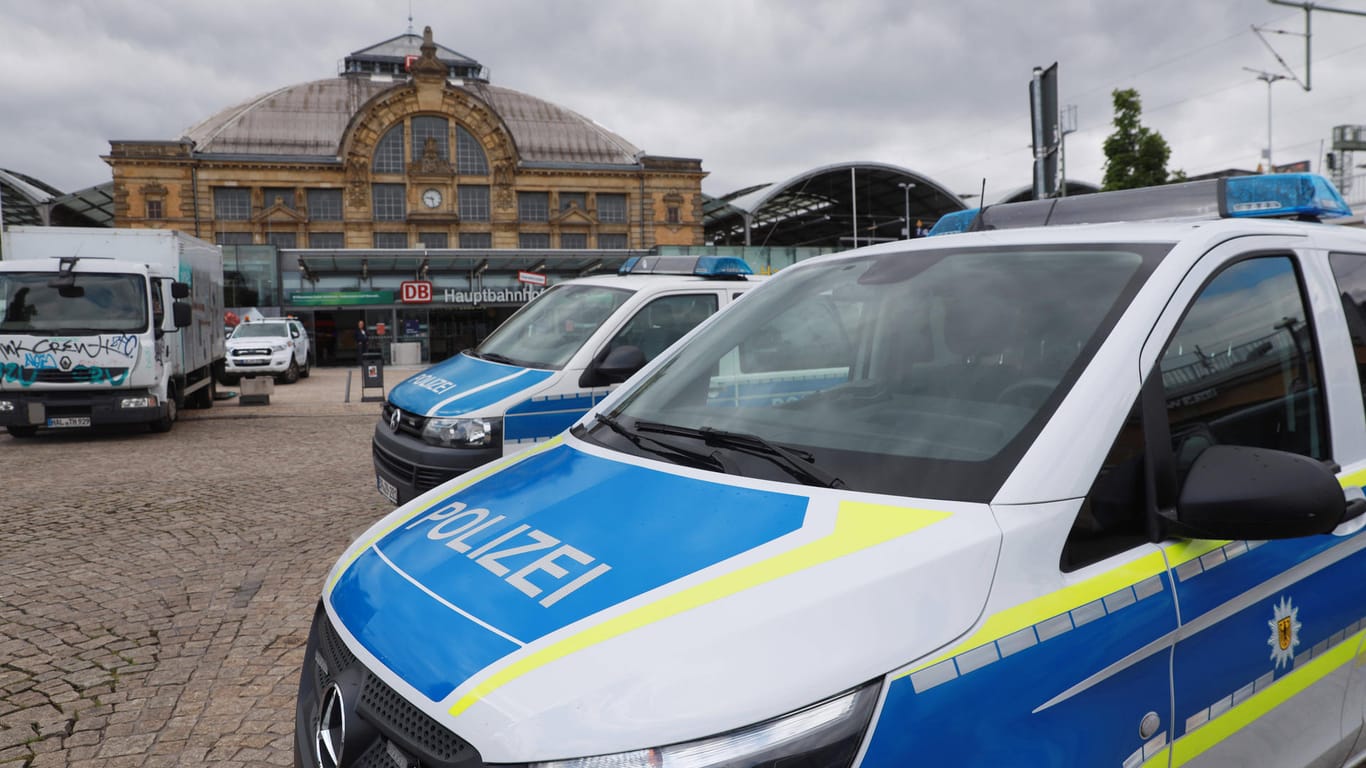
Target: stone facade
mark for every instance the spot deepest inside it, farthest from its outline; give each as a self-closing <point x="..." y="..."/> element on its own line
<point x="171" y="184"/>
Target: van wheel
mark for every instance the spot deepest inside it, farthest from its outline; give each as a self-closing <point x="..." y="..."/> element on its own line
<point x="21" y="432"/>
<point x="306" y="370"/>
<point x="291" y="373"/>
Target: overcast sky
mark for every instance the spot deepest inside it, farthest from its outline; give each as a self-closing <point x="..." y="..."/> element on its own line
<point x="760" y="90"/>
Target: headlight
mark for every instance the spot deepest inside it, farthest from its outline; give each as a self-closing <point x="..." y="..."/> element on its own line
<point x="825" y="735"/>
<point x="279" y="347"/>
<point x="460" y="433"/>
<point x="6" y="406"/>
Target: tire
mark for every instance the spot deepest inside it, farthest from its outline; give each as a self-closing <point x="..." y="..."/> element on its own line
<point x="291" y="373"/>
<point x="21" y="433"/>
<point x="168" y="418"/>
<point x="306" y="370"/>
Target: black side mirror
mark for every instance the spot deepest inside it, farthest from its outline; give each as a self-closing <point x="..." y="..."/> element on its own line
<point x="1240" y="492"/>
<point x="180" y="290"/>
<point x="616" y="367"/>
<point x="181" y="313"/>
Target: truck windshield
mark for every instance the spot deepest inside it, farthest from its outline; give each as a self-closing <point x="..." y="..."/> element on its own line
<point x="94" y="303"/>
<point x="261" y="331"/>
<point x="919" y="374"/>
<point x="548" y="331"/>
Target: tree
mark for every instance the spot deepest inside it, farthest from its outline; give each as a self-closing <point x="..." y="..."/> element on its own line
<point x="1135" y="156"/>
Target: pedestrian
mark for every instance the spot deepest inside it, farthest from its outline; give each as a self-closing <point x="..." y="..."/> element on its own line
<point x="361" y="339"/>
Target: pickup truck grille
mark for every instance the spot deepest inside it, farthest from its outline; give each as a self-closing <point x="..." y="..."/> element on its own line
<point x="250" y="352"/>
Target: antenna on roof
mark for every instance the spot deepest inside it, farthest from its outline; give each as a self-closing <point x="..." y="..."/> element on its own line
<point x="410" y="17"/>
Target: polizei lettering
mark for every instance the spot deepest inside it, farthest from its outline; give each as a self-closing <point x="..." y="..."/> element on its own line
<point x="529" y="559"/>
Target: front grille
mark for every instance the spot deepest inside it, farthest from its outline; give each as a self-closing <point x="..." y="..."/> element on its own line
<point x="392" y="713"/>
<point x="79" y="375"/>
<point x="396" y="467"/>
<point x="407" y="737"/>
<point x="252" y="352"/>
<point x="409" y="423"/>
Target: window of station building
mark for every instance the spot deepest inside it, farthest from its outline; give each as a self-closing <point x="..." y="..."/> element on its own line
<point x="533" y="240"/>
<point x="433" y="240"/>
<point x="389" y="202"/>
<point x="282" y="239"/>
<point x="326" y="240"/>
<point x="473" y="201"/>
<point x="612" y="241"/>
<point x="476" y="240"/>
<point x="284" y="195"/>
<point x="389" y="152"/>
<point x="469" y="154"/>
<point x="435" y="129"/>
<point x="233" y="238"/>
<point x="232" y="203"/>
<point x="612" y="208"/>
<point x="391" y="239"/>
<point x="671" y="215"/>
<point x="569" y="200"/>
<point x="325" y="204"/>
<point x="154" y="209"/>
<point x="533" y="206"/>
<point x="573" y="240"/>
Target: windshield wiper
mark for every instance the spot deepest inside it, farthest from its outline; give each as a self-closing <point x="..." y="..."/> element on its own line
<point x="666" y="449"/>
<point x="495" y="357"/>
<point x="798" y="464"/>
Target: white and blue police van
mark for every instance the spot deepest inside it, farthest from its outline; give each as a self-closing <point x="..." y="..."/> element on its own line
<point x="1064" y="488"/>
<point x="543" y="368"/>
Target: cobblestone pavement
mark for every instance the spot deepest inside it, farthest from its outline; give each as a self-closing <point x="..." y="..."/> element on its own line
<point x="155" y="590"/>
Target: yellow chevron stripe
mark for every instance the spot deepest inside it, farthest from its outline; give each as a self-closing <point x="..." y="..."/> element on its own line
<point x="858" y="526"/>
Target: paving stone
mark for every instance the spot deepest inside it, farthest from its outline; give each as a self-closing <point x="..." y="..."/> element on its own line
<point x="158" y="613"/>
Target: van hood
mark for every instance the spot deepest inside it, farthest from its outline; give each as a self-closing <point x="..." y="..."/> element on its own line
<point x="105" y="360"/>
<point x="464" y="385"/>
<point x="575" y="601"/>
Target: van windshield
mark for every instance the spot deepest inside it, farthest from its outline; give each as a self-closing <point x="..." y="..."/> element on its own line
<point x="550" y="329"/>
<point x="920" y="374"/>
<point x="30" y="302"/>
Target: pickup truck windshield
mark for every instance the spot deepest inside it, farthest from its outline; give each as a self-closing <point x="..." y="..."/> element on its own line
<point x="921" y="374"/>
<point x="548" y="331"/>
<point x="261" y="331"/>
<point x="93" y="303"/>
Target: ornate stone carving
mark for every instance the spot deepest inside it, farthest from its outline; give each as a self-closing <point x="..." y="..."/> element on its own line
<point x="358" y="182"/>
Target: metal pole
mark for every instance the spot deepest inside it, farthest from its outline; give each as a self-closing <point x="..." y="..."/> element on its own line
<point x="906" y="188"/>
<point x="853" y="196"/>
<point x="1270" y="166"/>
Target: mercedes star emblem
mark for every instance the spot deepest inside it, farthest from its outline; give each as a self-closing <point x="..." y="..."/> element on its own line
<point x="330" y="735"/>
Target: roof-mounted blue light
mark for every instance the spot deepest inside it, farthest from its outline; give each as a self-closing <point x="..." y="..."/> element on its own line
<point x="1301" y="195"/>
<point x="700" y="266"/>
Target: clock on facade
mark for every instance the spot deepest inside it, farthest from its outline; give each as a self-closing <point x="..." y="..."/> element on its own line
<point x="431" y="198"/>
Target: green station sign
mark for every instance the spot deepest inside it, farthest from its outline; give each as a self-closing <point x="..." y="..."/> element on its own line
<point x="339" y="298"/>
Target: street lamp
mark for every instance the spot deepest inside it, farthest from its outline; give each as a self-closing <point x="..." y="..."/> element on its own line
<point x="906" y="188"/>
<point x="1268" y="78"/>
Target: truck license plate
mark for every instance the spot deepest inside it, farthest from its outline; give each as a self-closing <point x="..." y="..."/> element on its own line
<point x="68" y="421"/>
<point x="386" y="489"/>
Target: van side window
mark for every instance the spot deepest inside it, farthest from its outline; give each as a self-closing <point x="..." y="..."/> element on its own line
<point x="1242" y="368"/>
<point x="663" y="321"/>
<point x="1349" y="270"/>
<point x="1113" y="515"/>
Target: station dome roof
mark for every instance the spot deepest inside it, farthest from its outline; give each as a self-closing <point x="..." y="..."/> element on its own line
<point x="309" y="120"/>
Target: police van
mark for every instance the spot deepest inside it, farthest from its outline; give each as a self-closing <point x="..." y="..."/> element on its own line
<point x="1061" y="488"/>
<point x="545" y="367"/>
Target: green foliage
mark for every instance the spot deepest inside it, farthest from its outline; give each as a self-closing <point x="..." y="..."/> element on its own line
<point x="1135" y="156"/>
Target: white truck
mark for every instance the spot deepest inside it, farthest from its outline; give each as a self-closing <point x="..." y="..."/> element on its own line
<point x="106" y="326"/>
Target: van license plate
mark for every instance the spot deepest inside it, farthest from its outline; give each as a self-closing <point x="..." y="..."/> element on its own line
<point x="68" y="421"/>
<point x="386" y="489"/>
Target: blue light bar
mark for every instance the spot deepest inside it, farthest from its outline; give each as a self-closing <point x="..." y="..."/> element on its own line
<point x="1300" y="195"/>
<point x="701" y="266"/>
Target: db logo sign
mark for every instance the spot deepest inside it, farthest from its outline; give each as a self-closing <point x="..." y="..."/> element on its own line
<point x="415" y="292"/>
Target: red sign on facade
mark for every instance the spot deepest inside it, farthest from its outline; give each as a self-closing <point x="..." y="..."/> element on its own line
<point x="531" y="278"/>
<point x="415" y="292"/>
